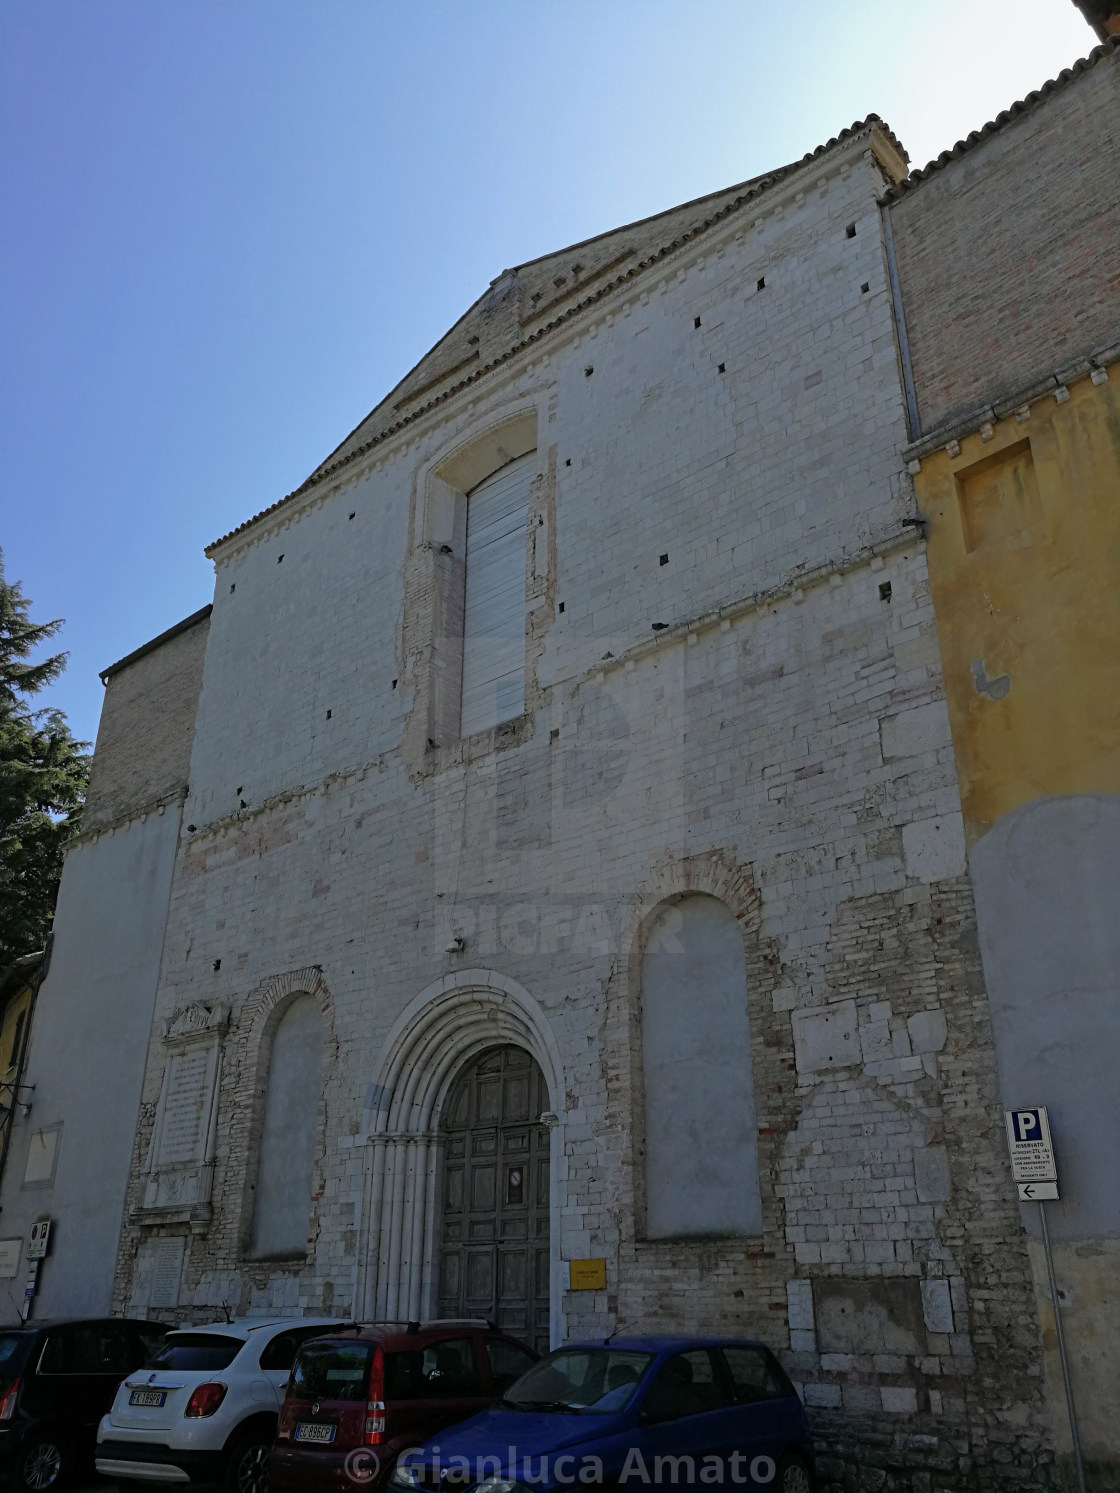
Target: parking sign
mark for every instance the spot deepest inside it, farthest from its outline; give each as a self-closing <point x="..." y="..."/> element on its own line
<point x="1032" y="1153"/>
<point x="39" y="1239"/>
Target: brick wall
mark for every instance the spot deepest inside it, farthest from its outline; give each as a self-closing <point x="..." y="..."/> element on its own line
<point x="1007" y="253"/>
<point x="143" y="750"/>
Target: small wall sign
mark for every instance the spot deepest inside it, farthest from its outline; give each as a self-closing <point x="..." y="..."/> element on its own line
<point x="39" y="1239"/>
<point x="587" y="1275"/>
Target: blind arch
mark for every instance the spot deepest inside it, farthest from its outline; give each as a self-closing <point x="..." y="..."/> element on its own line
<point x="701" y="1144"/>
<point x="286" y="1156"/>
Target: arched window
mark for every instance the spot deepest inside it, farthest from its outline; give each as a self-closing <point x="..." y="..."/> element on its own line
<point x="493" y="686"/>
<point x="701" y="1149"/>
<point x="287" y="1147"/>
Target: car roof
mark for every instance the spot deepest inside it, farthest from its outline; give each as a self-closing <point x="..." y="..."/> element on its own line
<point x="667" y="1343"/>
<point x="243" y="1328"/>
<point x="409" y="1332"/>
<point x="40" y="1324"/>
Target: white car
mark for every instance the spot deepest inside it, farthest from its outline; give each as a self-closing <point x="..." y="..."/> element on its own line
<point x="205" y="1408"/>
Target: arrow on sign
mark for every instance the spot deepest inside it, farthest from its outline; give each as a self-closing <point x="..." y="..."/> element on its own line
<point x="1038" y="1192"/>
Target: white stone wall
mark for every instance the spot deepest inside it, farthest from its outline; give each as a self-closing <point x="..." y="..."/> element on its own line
<point x="85" y="1062"/>
<point x="778" y="739"/>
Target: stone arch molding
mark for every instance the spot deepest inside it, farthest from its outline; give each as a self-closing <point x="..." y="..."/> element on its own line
<point x="444" y="1028"/>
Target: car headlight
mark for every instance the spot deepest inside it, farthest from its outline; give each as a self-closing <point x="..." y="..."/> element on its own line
<point x="403" y="1476"/>
<point x="500" y="1485"/>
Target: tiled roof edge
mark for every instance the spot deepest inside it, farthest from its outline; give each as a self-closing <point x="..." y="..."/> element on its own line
<point x="754" y="187"/>
<point x="1001" y="121"/>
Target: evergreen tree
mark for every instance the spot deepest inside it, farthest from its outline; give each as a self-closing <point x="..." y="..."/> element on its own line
<point x="43" y="773"/>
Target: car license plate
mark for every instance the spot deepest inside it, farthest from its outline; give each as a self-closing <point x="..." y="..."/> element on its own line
<point x="307" y="1432"/>
<point x="153" y="1397"/>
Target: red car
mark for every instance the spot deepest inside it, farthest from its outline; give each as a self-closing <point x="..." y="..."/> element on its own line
<point x="359" y="1397"/>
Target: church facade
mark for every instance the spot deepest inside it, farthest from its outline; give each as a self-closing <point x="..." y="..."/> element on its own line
<point x="572" y="875"/>
<point x="554" y="891"/>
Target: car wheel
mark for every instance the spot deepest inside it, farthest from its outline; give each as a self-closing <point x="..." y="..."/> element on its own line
<point x="793" y="1475"/>
<point x="247" y="1465"/>
<point x="42" y="1464"/>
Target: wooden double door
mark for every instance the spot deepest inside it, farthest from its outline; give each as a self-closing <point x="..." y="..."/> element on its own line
<point x="494" y="1256"/>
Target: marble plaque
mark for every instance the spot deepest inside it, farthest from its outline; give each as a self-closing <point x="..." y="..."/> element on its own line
<point x="9" y="1258"/>
<point x="186" y="1107"/>
<point x="167" y="1271"/>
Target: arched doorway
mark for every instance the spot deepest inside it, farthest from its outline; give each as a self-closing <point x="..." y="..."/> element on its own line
<point x="494" y="1235"/>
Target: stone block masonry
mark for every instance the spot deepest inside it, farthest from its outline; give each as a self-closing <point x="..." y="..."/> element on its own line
<point x="732" y="689"/>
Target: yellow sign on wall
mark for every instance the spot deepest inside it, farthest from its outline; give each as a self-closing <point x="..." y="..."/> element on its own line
<point x="587" y="1275"/>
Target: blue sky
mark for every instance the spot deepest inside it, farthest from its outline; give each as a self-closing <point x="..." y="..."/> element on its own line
<point x="229" y="228"/>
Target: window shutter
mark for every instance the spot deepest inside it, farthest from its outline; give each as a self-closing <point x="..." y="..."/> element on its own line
<point x="494" y="609"/>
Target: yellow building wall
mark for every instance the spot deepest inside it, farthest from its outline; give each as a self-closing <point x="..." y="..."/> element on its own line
<point x="1024" y="563"/>
<point x="1024" y="566"/>
<point x="18" y="1006"/>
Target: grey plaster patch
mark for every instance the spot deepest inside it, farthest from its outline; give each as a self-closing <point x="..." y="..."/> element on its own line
<point x="1047" y="883"/>
<point x="994" y="688"/>
<point x="869" y="1316"/>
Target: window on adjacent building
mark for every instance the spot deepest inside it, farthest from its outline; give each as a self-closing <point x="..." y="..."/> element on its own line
<point x="701" y="1150"/>
<point x="282" y="1205"/>
<point x="493" y="687"/>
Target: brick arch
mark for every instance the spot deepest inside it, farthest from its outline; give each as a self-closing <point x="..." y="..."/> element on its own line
<point x="278" y="990"/>
<point x="715" y="873"/>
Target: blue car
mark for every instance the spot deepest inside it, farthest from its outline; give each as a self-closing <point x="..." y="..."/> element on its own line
<point x="628" y="1413"/>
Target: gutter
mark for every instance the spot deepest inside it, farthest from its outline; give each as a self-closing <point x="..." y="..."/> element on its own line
<point x="900" y="329"/>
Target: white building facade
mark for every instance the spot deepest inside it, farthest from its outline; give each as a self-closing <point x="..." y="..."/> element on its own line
<point x="572" y="867"/>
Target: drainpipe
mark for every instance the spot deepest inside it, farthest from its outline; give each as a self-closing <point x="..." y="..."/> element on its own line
<point x="900" y="327"/>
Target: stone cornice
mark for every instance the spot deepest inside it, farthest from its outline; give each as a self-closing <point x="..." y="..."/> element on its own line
<point x="90" y="833"/>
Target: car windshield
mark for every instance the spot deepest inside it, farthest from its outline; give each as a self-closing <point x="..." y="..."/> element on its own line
<point x="196" y="1350"/>
<point x="580" y="1381"/>
<point x="331" y="1371"/>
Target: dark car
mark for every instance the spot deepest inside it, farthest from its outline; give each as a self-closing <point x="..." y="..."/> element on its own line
<point x="357" y="1399"/>
<point x="57" y="1379"/>
<point x="643" y="1411"/>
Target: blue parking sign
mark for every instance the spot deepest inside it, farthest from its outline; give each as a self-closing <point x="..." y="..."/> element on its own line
<point x="1025" y="1123"/>
<point x="1028" y="1140"/>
